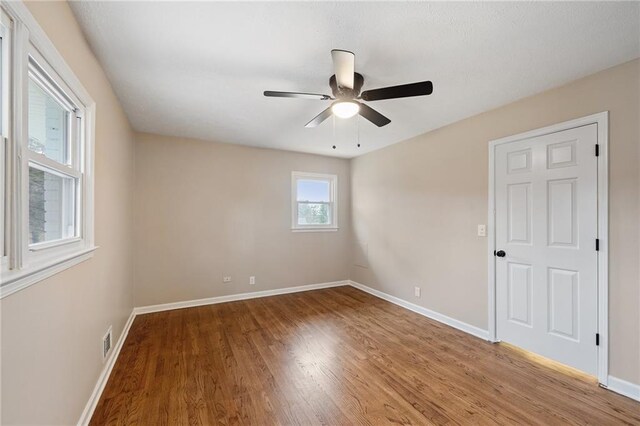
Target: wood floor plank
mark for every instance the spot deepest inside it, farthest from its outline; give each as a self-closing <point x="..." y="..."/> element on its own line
<point x="332" y="357"/>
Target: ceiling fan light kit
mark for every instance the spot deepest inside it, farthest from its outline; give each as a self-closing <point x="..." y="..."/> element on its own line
<point x="345" y="109"/>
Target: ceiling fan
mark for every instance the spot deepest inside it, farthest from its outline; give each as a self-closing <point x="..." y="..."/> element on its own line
<point x="346" y="84"/>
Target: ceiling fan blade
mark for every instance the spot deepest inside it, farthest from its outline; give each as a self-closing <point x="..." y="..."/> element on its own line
<point x="300" y="95"/>
<point x="402" y="91"/>
<point x="319" y="118"/>
<point x="373" y="116"/>
<point x="344" y="63"/>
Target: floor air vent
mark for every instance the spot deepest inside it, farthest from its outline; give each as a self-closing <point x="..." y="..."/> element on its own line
<point x="106" y="344"/>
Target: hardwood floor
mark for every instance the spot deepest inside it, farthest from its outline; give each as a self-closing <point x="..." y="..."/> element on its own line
<point x="337" y="356"/>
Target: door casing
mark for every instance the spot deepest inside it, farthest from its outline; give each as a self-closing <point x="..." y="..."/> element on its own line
<point x="602" y="121"/>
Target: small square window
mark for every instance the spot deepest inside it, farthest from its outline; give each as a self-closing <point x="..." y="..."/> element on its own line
<point x="314" y="201"/>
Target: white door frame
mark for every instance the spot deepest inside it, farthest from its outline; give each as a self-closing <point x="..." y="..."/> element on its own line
<point x="602" y="121"/>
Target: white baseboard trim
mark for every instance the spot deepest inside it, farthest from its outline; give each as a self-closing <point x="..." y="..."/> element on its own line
<point x="463" y="326"/>
<point x="104" y="376"/>
<point x="628" y="389"/>
<point x="234" y="297"/>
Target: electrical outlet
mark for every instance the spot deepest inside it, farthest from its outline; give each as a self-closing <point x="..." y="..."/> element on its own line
<point x="226" y="279"/>
<point x="482" y="230"/>
<point x="416" y="291"/>
<point x="252" y="280"/>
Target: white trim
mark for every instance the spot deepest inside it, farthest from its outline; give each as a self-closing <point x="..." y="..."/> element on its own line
<point x="15" y="281"/>
<point x="602" y="121"/>
<point x="628" y="389"/>
<point x="90" y="407"/>
<point x="462" y="326"/>
<point x="234" y="297"/>
<point x="314" y="229"/>
<point x="491" y="241"/>
<point x="54" y="243"/>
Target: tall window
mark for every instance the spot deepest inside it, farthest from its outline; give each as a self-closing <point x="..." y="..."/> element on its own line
<point x="46" y="155"/>
<point x="54" y="170"/>
<point x="5" y="50"/>
<point x="314" y="203"/>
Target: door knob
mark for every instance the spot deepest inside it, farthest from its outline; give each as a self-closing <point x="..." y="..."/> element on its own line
<point x="501" y="253"/>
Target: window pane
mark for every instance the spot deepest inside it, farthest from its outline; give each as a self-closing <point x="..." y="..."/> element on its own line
<point x="51" y="206"/>
<point x="314" y="214"/>
<point x="2" y="93"/>
<point x="313" y="190"/>
<point x="48" y="122"/>
<point x="2" y="148"/>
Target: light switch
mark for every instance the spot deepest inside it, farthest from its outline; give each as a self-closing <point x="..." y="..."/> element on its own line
<point x="482" y="230"/>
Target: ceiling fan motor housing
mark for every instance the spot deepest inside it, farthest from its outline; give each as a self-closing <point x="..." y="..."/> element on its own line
<point x="345" y="92"/>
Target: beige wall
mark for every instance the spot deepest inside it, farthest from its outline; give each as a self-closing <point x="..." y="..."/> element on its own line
<point x="204" y="210"/>
<point x="52" y="331"/>
<point x="416" y="205"/>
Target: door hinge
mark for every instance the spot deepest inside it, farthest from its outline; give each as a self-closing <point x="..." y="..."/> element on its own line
<point x="597" y="339"/>
<point x="597" y="244"/>
<point x="597" y="150"/>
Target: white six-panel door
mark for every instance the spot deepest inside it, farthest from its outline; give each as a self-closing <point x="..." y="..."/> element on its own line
<point x="546" y="225"/>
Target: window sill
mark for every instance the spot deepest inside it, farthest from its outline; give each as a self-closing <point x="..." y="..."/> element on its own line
<point x="314" y="229"/>
<point x="14" y="281"/>
<point x="56" y="243"/>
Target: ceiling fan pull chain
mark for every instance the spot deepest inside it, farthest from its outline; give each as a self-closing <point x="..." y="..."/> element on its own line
<point x="358" y="124"/>
<point x="333" y="120"/>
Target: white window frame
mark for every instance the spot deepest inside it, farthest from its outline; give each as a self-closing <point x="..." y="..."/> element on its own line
<point x="52" y="85"/>
<point x="5" y="76"/>
<point x="333" y="201"/>
<point x="32" y="53"/>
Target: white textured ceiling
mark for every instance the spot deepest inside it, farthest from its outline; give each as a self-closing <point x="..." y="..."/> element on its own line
<point x="199" y="69"/>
